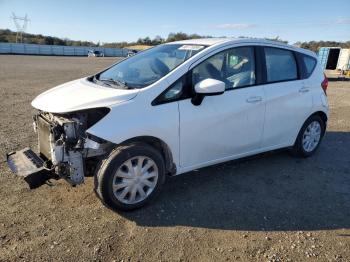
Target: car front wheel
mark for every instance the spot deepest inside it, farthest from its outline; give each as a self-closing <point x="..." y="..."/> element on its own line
<point x="130" y="177"/>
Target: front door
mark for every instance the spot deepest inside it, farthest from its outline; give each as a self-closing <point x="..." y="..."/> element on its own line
<point x="225" y="125"/>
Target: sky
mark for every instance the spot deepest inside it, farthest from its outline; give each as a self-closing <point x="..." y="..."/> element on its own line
<point x="114" y="21"/>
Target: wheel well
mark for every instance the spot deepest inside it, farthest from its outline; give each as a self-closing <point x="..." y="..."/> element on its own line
<point x="322" y="115"/>
<point x="318" y="113"/>
<point x="158" y="144"/>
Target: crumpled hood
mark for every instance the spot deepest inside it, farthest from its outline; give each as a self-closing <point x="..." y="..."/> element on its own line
<point x="80" y="94"/>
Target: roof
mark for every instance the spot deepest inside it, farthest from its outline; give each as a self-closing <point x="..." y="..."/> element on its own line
<point x="203" y="41"/>
<point x="214" y="41"/>
<point x="230" y="40"/>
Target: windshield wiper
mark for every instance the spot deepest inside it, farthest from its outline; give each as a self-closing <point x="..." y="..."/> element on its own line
<point x="111" y="81"/>
<point x="97" y="80"/>
<point x="115" y="82"/>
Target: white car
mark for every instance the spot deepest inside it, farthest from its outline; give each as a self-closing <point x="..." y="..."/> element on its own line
<point x="175" y="108"/>
<point x="131" y="52"/>
<point x="95" y="53"/>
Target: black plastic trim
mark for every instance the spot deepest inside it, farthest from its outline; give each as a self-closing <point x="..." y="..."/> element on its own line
<point x="186" y="91"/>
<point x="261" y="65"/>
<point x="301" y="65"/>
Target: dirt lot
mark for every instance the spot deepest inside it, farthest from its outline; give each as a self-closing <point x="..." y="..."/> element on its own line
<point x="270" y="207"/>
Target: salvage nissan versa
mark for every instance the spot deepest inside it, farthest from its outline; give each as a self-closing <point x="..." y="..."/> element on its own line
<point x="174" y="108"/>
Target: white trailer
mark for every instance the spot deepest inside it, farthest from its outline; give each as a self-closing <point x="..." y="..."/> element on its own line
<point x="344" y="59"/>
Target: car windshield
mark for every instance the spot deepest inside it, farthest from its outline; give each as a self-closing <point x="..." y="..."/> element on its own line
<point x="146" y="67"/>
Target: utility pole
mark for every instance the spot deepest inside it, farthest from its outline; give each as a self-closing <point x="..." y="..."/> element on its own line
<point x="21" y="25"/>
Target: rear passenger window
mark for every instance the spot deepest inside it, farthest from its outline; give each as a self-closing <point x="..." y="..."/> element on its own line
<point x="280" y="65"/>
<point x="310" y="64"/>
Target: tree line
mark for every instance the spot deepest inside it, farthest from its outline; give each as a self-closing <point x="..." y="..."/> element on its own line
<point x="156" y="40"/>
<point x="8" y="36"/>
<point x="315" y="45"/>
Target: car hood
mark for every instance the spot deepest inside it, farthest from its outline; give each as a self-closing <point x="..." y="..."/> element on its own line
<point x="80" y="94"/>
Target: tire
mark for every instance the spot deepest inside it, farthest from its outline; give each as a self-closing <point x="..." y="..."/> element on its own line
<point x="300" y="148"/>
<point x="129" y="161"/>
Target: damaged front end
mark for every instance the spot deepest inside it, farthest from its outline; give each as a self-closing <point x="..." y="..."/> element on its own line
<point x="65" y="149"/>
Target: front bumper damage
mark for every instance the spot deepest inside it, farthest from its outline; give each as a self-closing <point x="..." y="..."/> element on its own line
<point x="64" y="150"/>
<point x="30" y="166"/>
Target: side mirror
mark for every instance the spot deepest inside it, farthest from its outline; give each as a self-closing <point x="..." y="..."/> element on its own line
<point x="207" y="87"/>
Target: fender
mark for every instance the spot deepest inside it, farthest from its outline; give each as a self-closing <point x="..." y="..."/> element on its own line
<point x="161" y="122"/>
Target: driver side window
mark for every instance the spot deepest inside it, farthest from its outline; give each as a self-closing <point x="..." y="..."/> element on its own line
<point x="210" y="68"/>
<point x="235" y="67"/>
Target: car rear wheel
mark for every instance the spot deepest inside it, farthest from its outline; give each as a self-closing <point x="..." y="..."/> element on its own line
<point x="130" y="177"/>
<point x="309" y="137"/>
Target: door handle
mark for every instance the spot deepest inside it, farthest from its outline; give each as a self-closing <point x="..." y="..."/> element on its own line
<point x="254" y="99"/>
<point x="304" y="90"/>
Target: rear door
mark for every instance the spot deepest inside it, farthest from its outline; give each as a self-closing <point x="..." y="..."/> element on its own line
<point x="288" y="98"/>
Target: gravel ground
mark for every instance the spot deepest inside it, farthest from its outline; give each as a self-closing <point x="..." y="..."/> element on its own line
<point x="272" y="207"/>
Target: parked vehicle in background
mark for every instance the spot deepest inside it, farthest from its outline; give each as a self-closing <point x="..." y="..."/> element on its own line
<point x="175" y="108"/>
<point x="132" y="52"/>
<point x="95" y="53"/>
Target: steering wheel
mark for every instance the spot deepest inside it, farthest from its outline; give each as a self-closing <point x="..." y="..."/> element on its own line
<point x="158" y="67"/>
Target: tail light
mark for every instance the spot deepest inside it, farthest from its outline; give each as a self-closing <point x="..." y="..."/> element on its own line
<point x="324" y="84"/>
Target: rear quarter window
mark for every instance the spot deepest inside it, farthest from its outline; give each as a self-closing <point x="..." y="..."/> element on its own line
<point x="310" y="64"/>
